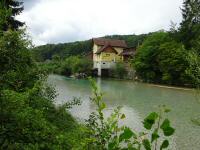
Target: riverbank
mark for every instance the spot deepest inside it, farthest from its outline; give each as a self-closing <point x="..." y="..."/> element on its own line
<point x="80" y="67"/>
<point x="170" y="87"/>
<point x="152" y="84"/>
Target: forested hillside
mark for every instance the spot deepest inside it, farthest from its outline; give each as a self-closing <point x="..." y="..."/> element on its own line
<point x="64" y="50"/>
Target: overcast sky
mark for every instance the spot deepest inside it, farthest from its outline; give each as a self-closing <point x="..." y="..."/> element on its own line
<point x="60" y="21"/>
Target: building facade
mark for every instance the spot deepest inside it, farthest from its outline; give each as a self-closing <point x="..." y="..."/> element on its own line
<point x="107" y="52"/>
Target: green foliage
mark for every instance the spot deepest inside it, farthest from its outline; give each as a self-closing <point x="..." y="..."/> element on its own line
<point x="190" y="26"/>
<point x="18" y="70"/>
<point x="131" y="40"/>
<point x="167" y="129"/>
<point x="106" y="133"/>
<point x="56" y="58"/>
<point x="145" y="61"/>
<point x="146" y="144"/>
<point x="14" y="7"/>
<point x="126" y="134"/>
<point x="158" y="123"/>
<point x="4" y="14"/>
<point x="45" y="52"/>
<point x="78" y="65"/>
<point x="76" y="101"/>
<point x="70" y="66"/>
<point x="119" y="70"/>
<point x="28" y="117"/>
<point x="150" y="120"/>
<point x="172" y="63"/>
<point x="168" y="58"/>
<point x="164" y="145"/>
<point x="194" y="70"/>
<point x="161" y="59"/>
<point x="30" y="120"/>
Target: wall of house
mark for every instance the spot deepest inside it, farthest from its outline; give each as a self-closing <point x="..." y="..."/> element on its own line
<point x="104" y="64"/>
<point x="106" y="59"/>
<point x="96" y="57"/>
<point x="110" y="55"/>
<point x="117" y="57"/>
<point x="119" y="50"/>
<point x="107" y="56"/>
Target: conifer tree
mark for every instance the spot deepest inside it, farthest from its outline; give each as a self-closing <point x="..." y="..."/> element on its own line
<point x="14" y="7"/>
<point x="190" y="25"/>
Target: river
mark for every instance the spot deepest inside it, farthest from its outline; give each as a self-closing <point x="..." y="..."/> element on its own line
<point x="137" y="100"/>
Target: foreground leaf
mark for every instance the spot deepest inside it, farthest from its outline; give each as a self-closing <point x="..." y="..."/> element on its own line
<point x="165" y="144"/>
<point x="150" y="120"/>
<point x="127" y="134"/>
<point x="146" y="144"/>
<point x="122" y="116"/>
<point x="167" y="129"/>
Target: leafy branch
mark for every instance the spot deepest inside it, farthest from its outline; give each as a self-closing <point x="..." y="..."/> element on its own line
<point x="105" y="133"/>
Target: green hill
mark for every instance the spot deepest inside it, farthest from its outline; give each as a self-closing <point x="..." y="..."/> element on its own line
<point x="44" y="52"/>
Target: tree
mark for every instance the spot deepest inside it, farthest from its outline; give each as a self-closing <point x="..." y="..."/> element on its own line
<point x="44" y="52"/>
<point x="145" y="62"/>
<point x="190" y="25"/>
<point x="172" y="63"/>
<point x="194" y="70"/>
<point x="14" y="7"/>
<point x="18" y="70"/>
<point x="28" y="117"/>
<point x="120" y="70"/>
<point x="161" y="59"/>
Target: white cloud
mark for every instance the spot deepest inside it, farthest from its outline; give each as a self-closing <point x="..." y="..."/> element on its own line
<point x="54" y="21"/>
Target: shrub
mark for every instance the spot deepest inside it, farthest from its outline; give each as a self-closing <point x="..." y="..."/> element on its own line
<point x="161" y="59"/>
<point x="119" y="71"/>
<point x="76" y="64"/>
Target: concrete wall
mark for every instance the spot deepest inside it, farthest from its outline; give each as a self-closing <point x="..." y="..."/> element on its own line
<point x="104" y="64"/>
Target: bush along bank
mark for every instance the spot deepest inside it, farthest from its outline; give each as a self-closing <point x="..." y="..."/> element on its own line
<point x="74" y="66"/>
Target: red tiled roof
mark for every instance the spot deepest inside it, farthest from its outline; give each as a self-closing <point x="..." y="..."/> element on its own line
<point x="111" y="42"/>
<point x="104" y="47"/>
<point x="128" y="51"/>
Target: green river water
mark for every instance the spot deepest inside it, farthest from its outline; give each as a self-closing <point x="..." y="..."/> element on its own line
<point x="137" y="99"/>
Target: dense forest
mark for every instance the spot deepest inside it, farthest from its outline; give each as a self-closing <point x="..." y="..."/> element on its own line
<point x="64" y="50"/>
